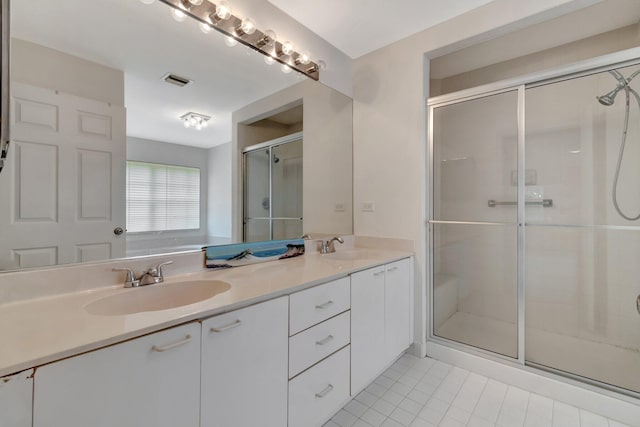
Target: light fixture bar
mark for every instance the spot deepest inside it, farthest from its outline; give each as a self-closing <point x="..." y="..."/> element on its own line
<point x="255" y="41"/>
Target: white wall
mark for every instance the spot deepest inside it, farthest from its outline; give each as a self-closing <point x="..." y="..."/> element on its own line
<point x="390" y="89"/>
<point x="219" y="192"/>
<point x="145" y="150"/>
<point x="51" y="69"/>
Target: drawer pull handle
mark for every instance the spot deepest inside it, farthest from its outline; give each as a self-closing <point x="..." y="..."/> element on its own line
<point x="160" y="349"/>
<point x="325" y="305"/>
<point x="324" y="392"/>
<point x="227" y="327"/>
<point x="379" y="273"/>
<point x="325" y="340"/>
<point x="393" y="269"/>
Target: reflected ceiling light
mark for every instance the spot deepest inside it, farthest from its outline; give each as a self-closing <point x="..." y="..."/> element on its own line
<point x="195" y="120"/>
<point x="178" y="15"/>
<point x="286" y="69"/>
<point x="322" y="65"/>
<point x="217" y="15"/>
<point x="230" y="41"/>
<point x="269" y="60"/>
<point x="147" y="1"/>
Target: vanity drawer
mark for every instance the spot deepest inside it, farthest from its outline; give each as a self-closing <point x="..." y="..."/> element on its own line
<point x="318" y="393"/>
<point x="317" y="304"/>
<point x="318" y="342"/>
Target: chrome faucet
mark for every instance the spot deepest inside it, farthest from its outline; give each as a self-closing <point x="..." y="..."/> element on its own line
<point x="151" y="276"/>
<point x="327" y="247"/>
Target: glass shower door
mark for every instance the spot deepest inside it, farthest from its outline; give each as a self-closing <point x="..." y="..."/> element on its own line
<point x="273" y="191"/>
<point x="582" y="269"/>
<point x="473" y="222"/>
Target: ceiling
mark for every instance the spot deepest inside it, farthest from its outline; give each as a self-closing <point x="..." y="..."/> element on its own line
<point x="146" y="43"/>
<point x="357" y="27"/>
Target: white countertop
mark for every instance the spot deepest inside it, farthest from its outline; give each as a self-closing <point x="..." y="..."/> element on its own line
<point x="39" y="331"/>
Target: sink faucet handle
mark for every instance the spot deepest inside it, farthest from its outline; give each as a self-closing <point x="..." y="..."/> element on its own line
<point x="130" y="280"/>
<point x="159" y="269"/>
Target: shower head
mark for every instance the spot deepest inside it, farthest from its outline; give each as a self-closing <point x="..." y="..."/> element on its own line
<point x="276" y="159"/>
<point x="609" y="98"/>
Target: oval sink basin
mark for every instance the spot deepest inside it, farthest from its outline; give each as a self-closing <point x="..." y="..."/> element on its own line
<point x="157" y="297"/>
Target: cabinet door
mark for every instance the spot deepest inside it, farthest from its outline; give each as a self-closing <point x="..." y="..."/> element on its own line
<point x="244" y="366"/>
<point x="398" y="308"/>
<point x="367" y="327"/>
<point x="150" y="381"/>
<point x="15" y="399"/>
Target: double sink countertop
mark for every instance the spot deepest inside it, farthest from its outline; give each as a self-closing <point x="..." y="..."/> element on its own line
<point x="37" y="331"/>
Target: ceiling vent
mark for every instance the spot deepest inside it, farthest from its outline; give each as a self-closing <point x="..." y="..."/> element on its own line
<point x="177" y="80"/>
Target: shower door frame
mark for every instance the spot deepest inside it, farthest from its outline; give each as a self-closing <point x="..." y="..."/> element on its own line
<point x="596" y="65"/>
<point x="269" y="145"/>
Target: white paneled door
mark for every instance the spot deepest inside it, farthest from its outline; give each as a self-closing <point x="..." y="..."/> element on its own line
<point x="65" y="178"/>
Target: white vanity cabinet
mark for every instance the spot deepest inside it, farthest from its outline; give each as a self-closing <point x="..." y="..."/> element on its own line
<point x="244" y="366"/>
<point x="381" y="307"/>
<point x="150" y="381"/>
<point x="15" y="399"/>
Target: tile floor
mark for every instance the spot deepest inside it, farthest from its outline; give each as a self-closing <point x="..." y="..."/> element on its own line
<point x="426" y="392"/>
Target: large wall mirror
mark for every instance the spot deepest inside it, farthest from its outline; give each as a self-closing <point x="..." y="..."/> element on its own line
<point x="104" y="161"/>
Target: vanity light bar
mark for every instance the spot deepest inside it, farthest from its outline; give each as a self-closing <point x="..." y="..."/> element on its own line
<point x="257" y="40"/>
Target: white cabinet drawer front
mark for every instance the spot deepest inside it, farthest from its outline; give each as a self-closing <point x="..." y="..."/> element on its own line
<point x="318" y="393"/>
<point x="317" y="304"/>
<point x="318" y="342"/>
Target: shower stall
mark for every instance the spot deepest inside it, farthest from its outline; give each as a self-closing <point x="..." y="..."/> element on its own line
<point x="534" y="222"/>
<point x="273" y="189"/>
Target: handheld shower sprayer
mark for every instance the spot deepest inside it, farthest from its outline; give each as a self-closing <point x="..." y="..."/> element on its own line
<point x="608" y="100"/>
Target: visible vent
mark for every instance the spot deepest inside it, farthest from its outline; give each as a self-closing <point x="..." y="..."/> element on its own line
<point x="174" y="79"/>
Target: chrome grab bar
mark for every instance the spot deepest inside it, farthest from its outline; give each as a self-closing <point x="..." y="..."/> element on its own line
<point x="545" y="203"/>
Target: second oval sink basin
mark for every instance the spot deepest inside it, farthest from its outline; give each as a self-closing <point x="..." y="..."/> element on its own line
<point x="157" y="297"/>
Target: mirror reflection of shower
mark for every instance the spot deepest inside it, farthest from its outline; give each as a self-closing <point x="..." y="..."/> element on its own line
<point x="608" y="100"/>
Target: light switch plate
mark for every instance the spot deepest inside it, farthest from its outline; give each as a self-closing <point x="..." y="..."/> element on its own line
<point x="339" y="207"/>
<point x="368" y="207"/>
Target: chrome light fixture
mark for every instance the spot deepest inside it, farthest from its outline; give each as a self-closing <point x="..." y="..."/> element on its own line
<point x="237" y="30"/>
<point x="195" y="120"/>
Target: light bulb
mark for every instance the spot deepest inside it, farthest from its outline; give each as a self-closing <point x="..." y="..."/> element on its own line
<point x="269" y="60"/>
<point x="205" y="28"/>
<point x="178" y="15"/>
<point x="269" y="38"/>
<point x="187" y="124"/>
<point x="248" y="26"/>
<point x="205" y="124"/>
<point x="230" y="41"/>
<point x="223" y="10"/>
<point x="287" y="48"/>
<point x="199" y="126"/>
<point x="304" y="58"/>
<point x="147" y="1"/>
<point x="193" y="121"/>
<point x="196" y="2"/>
<point x="285" y="69"/>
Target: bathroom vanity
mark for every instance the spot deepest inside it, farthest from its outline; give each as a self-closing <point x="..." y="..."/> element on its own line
<point x="289" y="343"/>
